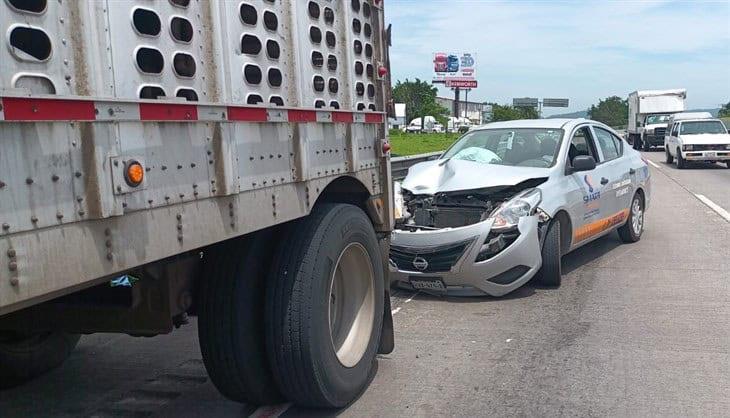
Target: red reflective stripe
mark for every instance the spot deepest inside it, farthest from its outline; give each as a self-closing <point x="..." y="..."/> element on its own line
<point x="165" y="111"/>
<point x="302" y="116"/>
<point x="20" y="109"/>
<point x="373" y="118"/>
<point x="247" y="114"/>
<point x="342" y="117"/>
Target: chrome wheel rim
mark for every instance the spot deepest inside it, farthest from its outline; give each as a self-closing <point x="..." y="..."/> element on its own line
<point x="351" y="304"/>
<point x="637" y="216"/>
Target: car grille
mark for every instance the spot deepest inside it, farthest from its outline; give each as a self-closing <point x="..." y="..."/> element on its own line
<point x="439" y="259"/>
<point x="709" y="147"/>
<point x="660" y="131"/>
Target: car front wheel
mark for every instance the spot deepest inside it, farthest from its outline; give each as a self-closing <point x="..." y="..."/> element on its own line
<point x="680" y="161"/>
<point x="551" y="272"/>
<point x="633" y="228"/>
<point x="670" y="159"/>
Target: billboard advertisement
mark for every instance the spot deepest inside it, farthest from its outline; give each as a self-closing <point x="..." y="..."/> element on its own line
<point x="455" y="69"/>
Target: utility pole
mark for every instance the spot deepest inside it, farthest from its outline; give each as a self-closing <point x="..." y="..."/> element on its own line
<point x="466" y="103"/>
<point x="456" y="102"/>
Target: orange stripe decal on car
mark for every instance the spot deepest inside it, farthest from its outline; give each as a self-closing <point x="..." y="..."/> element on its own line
<point x="601" y="225"/>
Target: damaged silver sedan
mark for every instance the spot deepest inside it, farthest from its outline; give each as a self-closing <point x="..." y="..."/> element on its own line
<point x="508" y="200"/>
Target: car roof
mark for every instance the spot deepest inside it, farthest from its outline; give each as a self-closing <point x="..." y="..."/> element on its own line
<point x="557" y="123"/>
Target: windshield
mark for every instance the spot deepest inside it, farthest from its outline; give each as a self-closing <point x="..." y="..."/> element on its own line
<point x="523" y="147"/>
<point x="654" y="119"/>
<point x="703" y="127"/>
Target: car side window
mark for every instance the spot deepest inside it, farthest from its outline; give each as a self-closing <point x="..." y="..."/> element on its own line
<point x="581" y="144"/>
<point x="605" y="141"/>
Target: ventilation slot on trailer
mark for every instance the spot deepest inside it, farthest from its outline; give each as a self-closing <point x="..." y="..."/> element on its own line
<point x="276" y="100"/>
<point x="356" y="5"/>
<point x="358" y="67"/>
<point x="271" y="22"/>
<point x="330" y="39"/>
<point x="317" y="59"/>
<point x="180" y="3"/>
<point x="318" y="83"/>
<point x="189" y="94"/>
<point x="357" y="46"/>
<point x="371" y="91"/>
<point x="146" y="22"/>
<point x="334" y="86"/>
<point x="369" y="70"/>
<point x="248" y="14"/>
<point x="367" y="30"/>
<point x="329" y="16"/>
<point x="371" y="106"/>
<point x="254" y="99"/>
<point x="272" y="49"/>
<point x="29" y="6"/>
<point x="181" y="29"/>
<point x="334" y="104"/>
<point x="36" y="84"/>
<point x="361" y="106"/>
<point x="332" y="62"/>
<point x="366" y="10"/>
<point x="151" y="92"/>
<point x="250" y="45"/>
<point x="315" y="35"/>
<point x="368" y="50"/>
<point x="252" y="73"/>
<point x="30" y="44"/>
<point x="150" y="61"/>
<point x="274" y="77"/>
<point x="313" y="10"/>
<point x="319" y="104"/>
<point x="356" y="25"/>
<point x="184" y="65"/>
<point x="360" y="89"/>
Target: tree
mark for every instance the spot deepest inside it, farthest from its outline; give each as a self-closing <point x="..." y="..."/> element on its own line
<point x="724" y="111"/>
<point x="420" y="99"/>
<point x="506" y="112"/>
<point x="613" y="111"/>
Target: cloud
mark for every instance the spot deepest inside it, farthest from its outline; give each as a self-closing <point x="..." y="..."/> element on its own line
<point x="582" y="50"/>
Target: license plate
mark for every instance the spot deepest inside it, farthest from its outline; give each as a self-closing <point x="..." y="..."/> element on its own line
<point x="433" y="284"/>
<point x="711" y="154"/>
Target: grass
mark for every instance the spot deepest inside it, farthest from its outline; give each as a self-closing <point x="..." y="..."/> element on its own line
<point x="412" y="144"/>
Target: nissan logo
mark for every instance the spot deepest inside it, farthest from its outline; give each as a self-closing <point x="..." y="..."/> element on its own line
<point x="420" y="263"/>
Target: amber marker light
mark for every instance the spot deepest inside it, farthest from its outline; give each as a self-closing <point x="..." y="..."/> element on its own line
<point x="133" y="173"/>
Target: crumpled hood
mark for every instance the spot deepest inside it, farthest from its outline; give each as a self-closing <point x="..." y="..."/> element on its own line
<point x="430" y="177"/>
<point x="706" y="139"/>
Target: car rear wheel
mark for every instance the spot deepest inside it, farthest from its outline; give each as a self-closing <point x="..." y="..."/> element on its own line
<point x="25" y="356"/>
<point x="727" y="164"/>
<point x="325" y="297"/>
<point x="633" y="228"/>
<point x="550" y="274"/>
<point x="669" y="159"/>
<point x="680" y="160"/>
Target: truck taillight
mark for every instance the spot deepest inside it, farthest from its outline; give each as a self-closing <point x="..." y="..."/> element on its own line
<point x="386" y="147"/>
<point x="133" y="173"/>
<point x="382" y="71"/>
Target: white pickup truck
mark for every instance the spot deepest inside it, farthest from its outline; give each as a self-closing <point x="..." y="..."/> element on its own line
<point x="161" y="159"/>
<point x="696" y="136"/>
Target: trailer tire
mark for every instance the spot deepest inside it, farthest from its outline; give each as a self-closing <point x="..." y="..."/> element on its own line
<point x="321" y="352"/>
<point x="231" y="320"/>
<point x="23" y="358"/>
<point x="551" y="272"/>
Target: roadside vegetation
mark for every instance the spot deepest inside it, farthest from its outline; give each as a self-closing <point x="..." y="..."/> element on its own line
<point x="411" y="144"/>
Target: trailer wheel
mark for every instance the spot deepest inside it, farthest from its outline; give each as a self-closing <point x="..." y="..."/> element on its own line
<point x="325" y="307"/>
<point x="24" y="357"/>
<point x="231" y="320"/>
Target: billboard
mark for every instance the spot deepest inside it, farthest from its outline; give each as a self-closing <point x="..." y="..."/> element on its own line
<point x="455" y="69"/>
<point x="525" y="102"/>
<point x="555" y="102"/>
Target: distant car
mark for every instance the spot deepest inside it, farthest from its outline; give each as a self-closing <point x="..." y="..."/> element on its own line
<point x="508" y="199"/>
<point x="696" y="137"/>
<point x="440" y="63"/>
<point x="438" y="128"/>
<point x="453" y="64"/>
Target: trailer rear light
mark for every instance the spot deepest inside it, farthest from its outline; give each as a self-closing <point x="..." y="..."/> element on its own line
<point x="386" y="147"/>
<point x="133" y="173"/>
<point x="382" y="71"/>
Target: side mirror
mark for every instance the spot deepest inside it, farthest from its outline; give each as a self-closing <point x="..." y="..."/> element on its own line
<point x="583" y="163"/>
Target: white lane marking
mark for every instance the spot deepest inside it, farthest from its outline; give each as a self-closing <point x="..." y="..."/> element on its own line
<point x="395" y="311"/>
<point x="270" y="411"/>
<point x="411" y="298"/>
<point x="655" y="165"/>
<point x="508" y="340"/>
<point x="714" y="206"/>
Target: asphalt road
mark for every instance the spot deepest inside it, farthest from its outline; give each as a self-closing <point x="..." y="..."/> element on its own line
<point x="635" y="330"/>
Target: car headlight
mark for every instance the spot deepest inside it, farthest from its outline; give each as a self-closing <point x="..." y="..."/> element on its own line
<point x="688" y="147"/>
<point x="399" y="209"/>
<point x="727" y="146"/>
<point x="508" y="214"/>
<point x="650" y="131"/>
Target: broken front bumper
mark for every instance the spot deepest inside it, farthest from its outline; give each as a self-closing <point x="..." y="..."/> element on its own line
<point x="450" y="255"/>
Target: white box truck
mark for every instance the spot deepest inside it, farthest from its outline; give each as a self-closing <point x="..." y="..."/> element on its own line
<point x="649" y="112"/>
<point x="161" y="159"/>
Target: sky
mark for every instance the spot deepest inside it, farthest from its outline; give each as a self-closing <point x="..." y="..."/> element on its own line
<point x="582" y="50"/>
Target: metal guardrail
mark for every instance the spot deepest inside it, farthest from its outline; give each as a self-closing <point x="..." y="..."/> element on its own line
<point x="399" y="165"/>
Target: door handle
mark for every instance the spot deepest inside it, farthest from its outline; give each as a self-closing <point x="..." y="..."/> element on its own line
<point x="632" y="171"/>
<point x="604" y="181"/>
